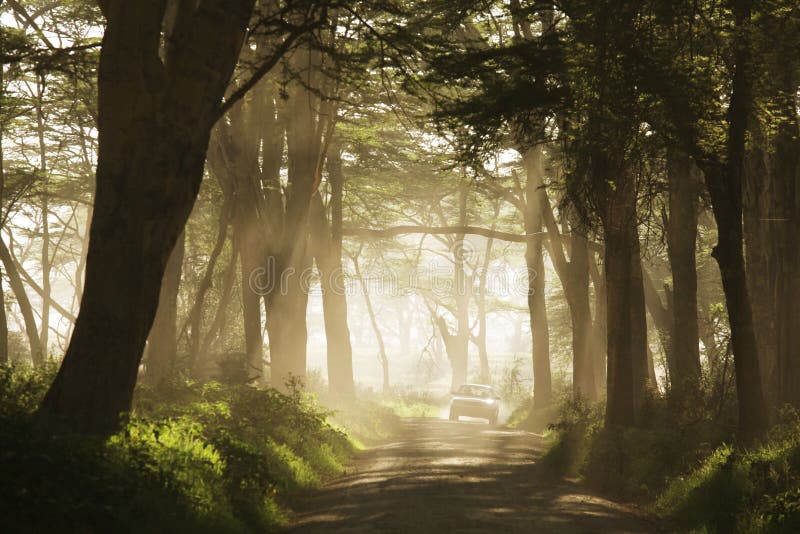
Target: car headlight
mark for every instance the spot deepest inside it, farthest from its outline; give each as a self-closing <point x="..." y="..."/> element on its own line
<point x="489" y="401"/>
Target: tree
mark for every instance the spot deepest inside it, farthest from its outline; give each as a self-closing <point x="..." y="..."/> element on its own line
<point x="154" y="120"/>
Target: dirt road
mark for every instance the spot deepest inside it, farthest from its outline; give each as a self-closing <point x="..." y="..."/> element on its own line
<point x="441" y="477"/>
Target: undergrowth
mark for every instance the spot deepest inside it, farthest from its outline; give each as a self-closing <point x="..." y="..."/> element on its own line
<point x="194" y="458"/>
<point x="726" y="489"/>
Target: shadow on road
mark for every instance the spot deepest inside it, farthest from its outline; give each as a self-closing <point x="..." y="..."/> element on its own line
<point x="441" y="476"/>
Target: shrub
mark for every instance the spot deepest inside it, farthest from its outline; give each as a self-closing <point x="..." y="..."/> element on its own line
<point x="194" y="457"/>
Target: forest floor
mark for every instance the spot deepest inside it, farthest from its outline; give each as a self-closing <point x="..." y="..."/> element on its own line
<point x="441" y="476"/>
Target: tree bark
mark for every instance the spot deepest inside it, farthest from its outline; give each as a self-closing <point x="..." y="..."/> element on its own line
<point x="154" y="121"/>
<point x="327" y="242"/>
<point x="627" y="357"/>
<point x="724" y="185"/>
<point x="683" y="183"/>
<point x="574" y="275"/>
<point x="542" y="381"/>
<point x="290" y="257"/>
<point x="162" y="342"/>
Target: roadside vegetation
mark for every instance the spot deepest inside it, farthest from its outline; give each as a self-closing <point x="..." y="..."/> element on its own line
<point x="726" y="488"/>
<point x="192" y="457"/>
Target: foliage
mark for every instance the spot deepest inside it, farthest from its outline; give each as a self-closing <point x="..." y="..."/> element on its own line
<point x="204" y="458"/>
<point x="637" y="462"/>
<point x="755" y="490"/>
<point x="730" y="490"/>
<point x="411" y="403"/>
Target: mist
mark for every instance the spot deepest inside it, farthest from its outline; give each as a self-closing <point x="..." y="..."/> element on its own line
<point x="399" y="266"/>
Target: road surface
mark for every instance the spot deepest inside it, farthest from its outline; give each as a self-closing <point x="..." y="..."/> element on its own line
<point x="441" y="477"/>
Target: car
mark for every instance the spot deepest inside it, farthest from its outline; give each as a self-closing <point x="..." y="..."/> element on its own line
<point x="475" y="400"/>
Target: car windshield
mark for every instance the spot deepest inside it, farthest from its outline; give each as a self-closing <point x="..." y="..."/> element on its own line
<point x="483" y="392"/>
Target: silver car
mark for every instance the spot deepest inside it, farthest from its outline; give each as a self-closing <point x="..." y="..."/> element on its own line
<point x="475" y="400"/>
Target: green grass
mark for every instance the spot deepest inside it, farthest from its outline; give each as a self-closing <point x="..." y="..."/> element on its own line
<point x="751" y="491"/>
<point x="682" y="467"/>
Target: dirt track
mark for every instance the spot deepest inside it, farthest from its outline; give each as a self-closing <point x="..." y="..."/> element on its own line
<point x="441" y="477"/>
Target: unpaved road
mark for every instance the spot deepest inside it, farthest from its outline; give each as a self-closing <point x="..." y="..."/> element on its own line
<point x="441" y="477"/>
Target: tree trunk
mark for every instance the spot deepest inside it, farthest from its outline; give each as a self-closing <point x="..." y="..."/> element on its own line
<point x="771" y="214"/>
<point x="583" y="381"/>
<point x="3" y="318"/>
<point x="334" y="299"/>
<point x="154" y="124"/>
<point x="196" y="313"/>
<point x="725" y="189"/>
<point x="46" y="264"/>
<point x="542" y="381"/>
<point x="599" y="334"/>
<point x="627" y="356"/>
<point x="286" y="304"/>
<point x="25" y="307"/>
<point x="286" y="318"/>
<point x="574" y="275"/>
<point x="3" y="315"/>
<point x="662" y="320"/>
<point x="384" y="360"/>
<point x="459" y="355"/>
<point x="162" y="342"/>
<point x="684" y="180"/>
<point x="221" y="315"/>
<point x="483" y="353"/>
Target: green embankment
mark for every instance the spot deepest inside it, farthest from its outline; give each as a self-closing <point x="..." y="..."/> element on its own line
<point x="683" y="469"/>
<point x="196" y="458"/>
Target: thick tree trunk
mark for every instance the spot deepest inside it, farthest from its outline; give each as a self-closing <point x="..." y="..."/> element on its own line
<point x="627" y="346"/>
<point x="286" y="318"/>
<point x="684" y="182"/>
<point x="583" y="381"/>
<point x="154" y="124"/>
<point x="771" y="214"/>
<point x="725" y="188"/>
<point x="542" y="380"/>
<point x="334" y="300"/>
<point x="289" y="254"/>
<point x="574" y="275"/>
<point x="162" y="342"/>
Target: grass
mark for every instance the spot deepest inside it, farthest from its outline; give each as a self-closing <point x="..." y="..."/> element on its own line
<point x="683" y="468"/>
<point x="732" y="491"/>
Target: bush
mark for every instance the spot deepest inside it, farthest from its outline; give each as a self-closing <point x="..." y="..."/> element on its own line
<point x="571" y="436"/>
<point x="727" y="490"/>
<point x="732" y="491"/>
<point x="197" y="457"/>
